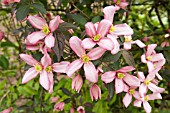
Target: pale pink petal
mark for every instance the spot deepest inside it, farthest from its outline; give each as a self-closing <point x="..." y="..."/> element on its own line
<point x="143" y="58"/>
<point x="150" y="66"/>
<point x="139" y="43"/>
<point x="44" y="80"/>
<point x="51" y="79"/>
<point x="126" y="88"/>
<point x="75" y="44"/>
<point x="159" y="76"/>
<point x="137" y="103"/>
<point x="54" y="23"/>
<point x="37" y="21"/>
<point x="127" y="45"/>
<point x="90" y="29"/>
<point x="126" y="69"/>
<point x="157" y="57"/>
<point x="34" y="37"/>
<point x="127" y="99"/>
<point x="108" y="76"/>
<point x="88" y="43"/>
<point x="131" y="80"/>
<point x="46" y="60"/>
<point x="90" y="72"/>
<point x="50" y="40"/>
<point x="123" y="29"/>
<point x="154" y="96"/>
<point x="147" y="107"/>
<point x="60" y="67"/>
<point x="137" y="95"/>
<point x="141" y="76"/>
<point x="123" y="5"/>
<point x="73" y="67"/>
<point x="96" y="53"/>
<point x="30" y="74"/>
<point x="28" y="59"/>
<point x="151" y="75"/>
<point x="109" y="12"/>
<point x="32" y="47"/>
<point x="116" y="44"/>
<point x="160" y="63"/>
<point x="9" y="110"/>
<point x="106" y="43"/>
<point x="155" y="88"/>
<point x="119" y="85"/>
<point x="104" y="27"/>
<point x="150" y="49"/>
<point x="143" y="90"/>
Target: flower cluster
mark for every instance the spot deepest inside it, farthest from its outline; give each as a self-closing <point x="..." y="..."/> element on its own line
<point x="103" y="36"/>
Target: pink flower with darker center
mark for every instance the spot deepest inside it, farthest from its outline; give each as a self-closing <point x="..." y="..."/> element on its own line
<point x="120" y="77"/>
<point x="95" y="92"/>
<point x="80" y="109"/>
<point x="84" y="59"/>
<point x="46" y="30"/>
<point x="59" y="106"/>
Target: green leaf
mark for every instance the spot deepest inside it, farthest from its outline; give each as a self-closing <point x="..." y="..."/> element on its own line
<point x="66" y="91"/>
<point x="96" y="19"/>
<point x="108" y="57"/>
<point x="39" y="7"/>
<point x="110" y="88"/>
<point x="127" y="55"/>
<point x="4" y="63"/>
<point x="22" y="12"/>
<point x="78" y="18"/>
<point x="65" y="26"/>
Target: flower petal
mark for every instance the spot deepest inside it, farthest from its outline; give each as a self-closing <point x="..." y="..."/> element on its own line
<point x="119" y="85"/>
<point x="30" y="74"/>
<point x="106" y="43"/>
<point x="90" y="29"/>
<point x="154" y="96"/>
<point x="143" y="89"/>
<point x="151" y="75"/>
<point x="127" y="99"/>
<point x="54" y="23"/>
<point x="122" y="29"/>
<point x="139" y="43"/>
<point x="116" y="44"/>
<point x="51" y="79"/>
<point x="34" y="37"/>
<point x="137" y="103"/>
<point x="150" y="66"/>
<point x="88" y="43"/>
<point x="126" y="69"/>
<point x="60" y="67"/>
<point x="127" y="45"/>
<point x="104" y="27"/>
<point x="150" y="49"/>
<point x="28" y="59"/>
<point x="96" y="53"/>
<point x="143" y="58"/>
<point x="147" y="107"/>
<point x="109" y="12"/>
<point x="131" y="80"/>
<point x="44" y="80"/>
<point x="157" y="57"/>
<point x="75" y="44"/>
<point x="37" y="21"/>
<point x="155" y="88"/>
<point x="46" y="60"/>
<point x="108" y="76"/>
<point x="73" y="67"/>
<point x="90" y="72"/>
<point x="141" y="76"/>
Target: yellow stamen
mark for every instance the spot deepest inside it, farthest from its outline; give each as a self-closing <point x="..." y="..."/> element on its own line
<point x="97" y="37"/>
<point x="120" y="75"/>
<point x="85" y="58"/>
<point x="131" y="91"/>
<point x="112" y="29"/>
<point x="147" y="82"/>
<point x="48" y="69"/>
<point x="146" y="98"/>
<point x="128" y="38"/>
<point x="38" y="68"/>
<point x="45" y="29"/>
<point x="148" y="57"/>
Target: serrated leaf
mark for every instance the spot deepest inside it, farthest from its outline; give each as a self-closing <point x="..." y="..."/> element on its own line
<point x="39" y="7"/>
<point x="22" y="12"/>
<point x="127" y="55"/>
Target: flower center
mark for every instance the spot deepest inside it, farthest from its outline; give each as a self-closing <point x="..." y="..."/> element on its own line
<point x="148" y="57"/>
<point x="147" y="82"/>
<point x="128" y="38"/>
<point x="85" y="58"/>
<point x="131" y="91"/>
<point x="112" y="29"/>
<point x="48" y="69"/>
<point x="45" y="29"/>
<point x="146" y="98"/>
<point x="120" y="75"/>
<point x="38" y="68"/>
<point x="97" y="37"/>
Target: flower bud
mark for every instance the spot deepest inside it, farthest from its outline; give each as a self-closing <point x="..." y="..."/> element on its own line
<point x="77" y="83"/>
<point x="80" y="109"/>
<point x="54" y="99"/>
<point x="59" y="106"/>
<point x="95" y="92"/>
<point x="1" y="35"/>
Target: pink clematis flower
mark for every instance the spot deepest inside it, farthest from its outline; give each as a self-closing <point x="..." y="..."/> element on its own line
<point x="59" y="106"/>
<point x="95" y="92"/>
<point x="120" y="29"/>
<point x="46" y="31"/>
<point x="77" y="83"/>
<point x="165" y="43"/>
<point x="121" y="3"/>
<point x="7" y="110"/>
<point x="44" y="68"/>
<point x="89" y="68"/>
<point x="144" y="99"/>
<point x="147" y="83"/>
<point x="80" y="109"/>
<point x="6" y="2"/>
<point x="120" y="77"/>
<point x="54" y="99"/>
<point x="97" y="33"/>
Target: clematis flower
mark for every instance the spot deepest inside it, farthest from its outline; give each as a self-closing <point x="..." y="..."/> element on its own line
<point x="7" y="110"/>
<point x="89" y="68"/>
<point x="59" y="106"/>
<point x="147" y="83"/>
<point x="44" y="68"/>
<point x="95" y="92"/>
<point x="77" y="83"/>
<point x="120" y="29"/>
<point x="6" y="2"/>
<point x="97" y="33"/>
<point x="120" y="77"/>
<point x="80" y="109"/>
<point x="121" y="3"/>
<point x="54" y="99"/>
<point x="144" y="100"/>
<point x="45" y="30"/>
<point x="165" y="43"/>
